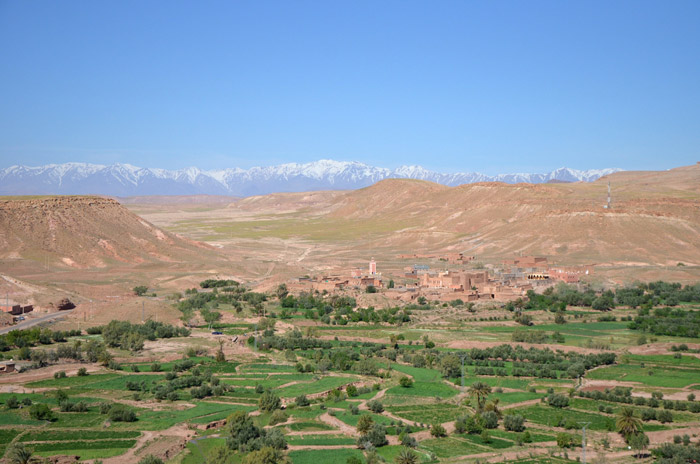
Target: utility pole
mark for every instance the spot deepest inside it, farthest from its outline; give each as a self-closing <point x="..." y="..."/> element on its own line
<point x="583" y="441"/>
<point x="609" y="206"/>
<point x="463" y="357"/>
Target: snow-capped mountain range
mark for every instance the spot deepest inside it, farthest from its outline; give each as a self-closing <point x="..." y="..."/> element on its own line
<point x="126" y="180"/>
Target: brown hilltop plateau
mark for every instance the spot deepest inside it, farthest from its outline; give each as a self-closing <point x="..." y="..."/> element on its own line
<point x="84" y="232"/>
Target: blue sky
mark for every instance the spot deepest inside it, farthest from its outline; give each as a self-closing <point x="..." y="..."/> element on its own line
<point x="488" y="86"/>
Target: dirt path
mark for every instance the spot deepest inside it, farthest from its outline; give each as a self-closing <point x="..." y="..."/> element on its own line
<point x="518" y="405"/>
<point x="180" y="434"/>
<point x="337" y="423"/>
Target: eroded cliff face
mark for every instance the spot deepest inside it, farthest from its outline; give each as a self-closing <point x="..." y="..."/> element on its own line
<point x="83" y="232"/>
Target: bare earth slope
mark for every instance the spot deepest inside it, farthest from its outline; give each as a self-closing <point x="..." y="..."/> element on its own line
<point x="654" y="219"/>
<point x="653" y="225"/>
<point x="84" y="232"/>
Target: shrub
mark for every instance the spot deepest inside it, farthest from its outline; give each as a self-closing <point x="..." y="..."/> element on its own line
<point x="375" y="406"/>
<point x="364" y="424"/>
<point x="648" y="414"/>
<point x="41" y="411"/>
<point x="490" y="419"/>
<point x="514" y="422"/>
<point x="406" y="382"/>
<point x="59" y="375"/>
<point x="376" y="436"/>
<point x="82" y="372"/>
<point x="278" y="416"/>
<point x="564" y="440"/>
<point x="438" y="431"/>
<point x="121" y="413"/>
<point x="12" y="402"/>
<point x="558" y="401"/>
<point x="269" y="401"/>
<point x="140" y="290"/>
<point x="302" y="400"/>
<point x="664" y="416"/>
<point x="150" y="459"/>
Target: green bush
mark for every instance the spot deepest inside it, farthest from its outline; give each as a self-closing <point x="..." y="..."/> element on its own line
<point x="375" y="406"/>
<point x="41" y="411"/>
<point x="514" y="422"/>
<point x="269" y="401"/>
<point x="121" y="413"/>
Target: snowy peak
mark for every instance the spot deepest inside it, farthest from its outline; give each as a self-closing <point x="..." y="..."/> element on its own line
<point x="325" y="174"/>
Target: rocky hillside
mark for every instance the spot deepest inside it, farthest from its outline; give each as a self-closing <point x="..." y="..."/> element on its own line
<point x="654" y="218"/>
<point x="85" y="232"/>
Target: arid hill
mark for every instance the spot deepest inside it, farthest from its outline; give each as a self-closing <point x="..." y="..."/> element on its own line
<point x="654" y="218"/>
<point x="652" y="226"/>
<point x="85" y="232"/>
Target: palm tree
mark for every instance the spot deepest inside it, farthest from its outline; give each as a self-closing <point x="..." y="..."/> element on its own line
<point x="18" y="454"/>
<point x="406" y="456"/>
<point x="480" y="391"/>
<point x="627" y="423"/>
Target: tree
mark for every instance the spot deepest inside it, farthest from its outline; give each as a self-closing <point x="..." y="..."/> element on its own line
<point x="40" y="411"/>
<point x="210" y="317"/>
<point x="282" y="291"/>
<point x="664" y="416"/>
<point x="375" y="406"/>
<point x="490" y="419"/>
<point x="638" y="442"/>
<point x="391" y="283"/>
<point x="187" y="315"/>
<point x="406" y="382"/>
<point x="451" y="366"/>
<point x="557" y="400"/>
<point x="474" y="424"/>
<point x="437" y="431"/>
<point x="480" y="391"/>
<point x="220" y="455"/>
<point x="406" y="456"/>
<point x="265" y="455"/>
<point x="241" y="431"/>
<point x="121" y="413"/>
<point x="514" y="422"/>
<point x="627" y="423"/>
<point x="559" y="318"/>
<point x="12" y="402"/>
<point x="564" y="440"/>
<point x="376" y="436"/>
<point x="269" y="401"/>
<point x="140" y="290"/>
<point x="364" y="424"/>
<point x="220" y="356"/>
<point x="17" y="453"/>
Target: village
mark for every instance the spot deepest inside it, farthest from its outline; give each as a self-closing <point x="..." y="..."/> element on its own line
<point x="451" y="279"/>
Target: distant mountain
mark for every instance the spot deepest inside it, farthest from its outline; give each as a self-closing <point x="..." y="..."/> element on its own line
<point x="127" y="180"/>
